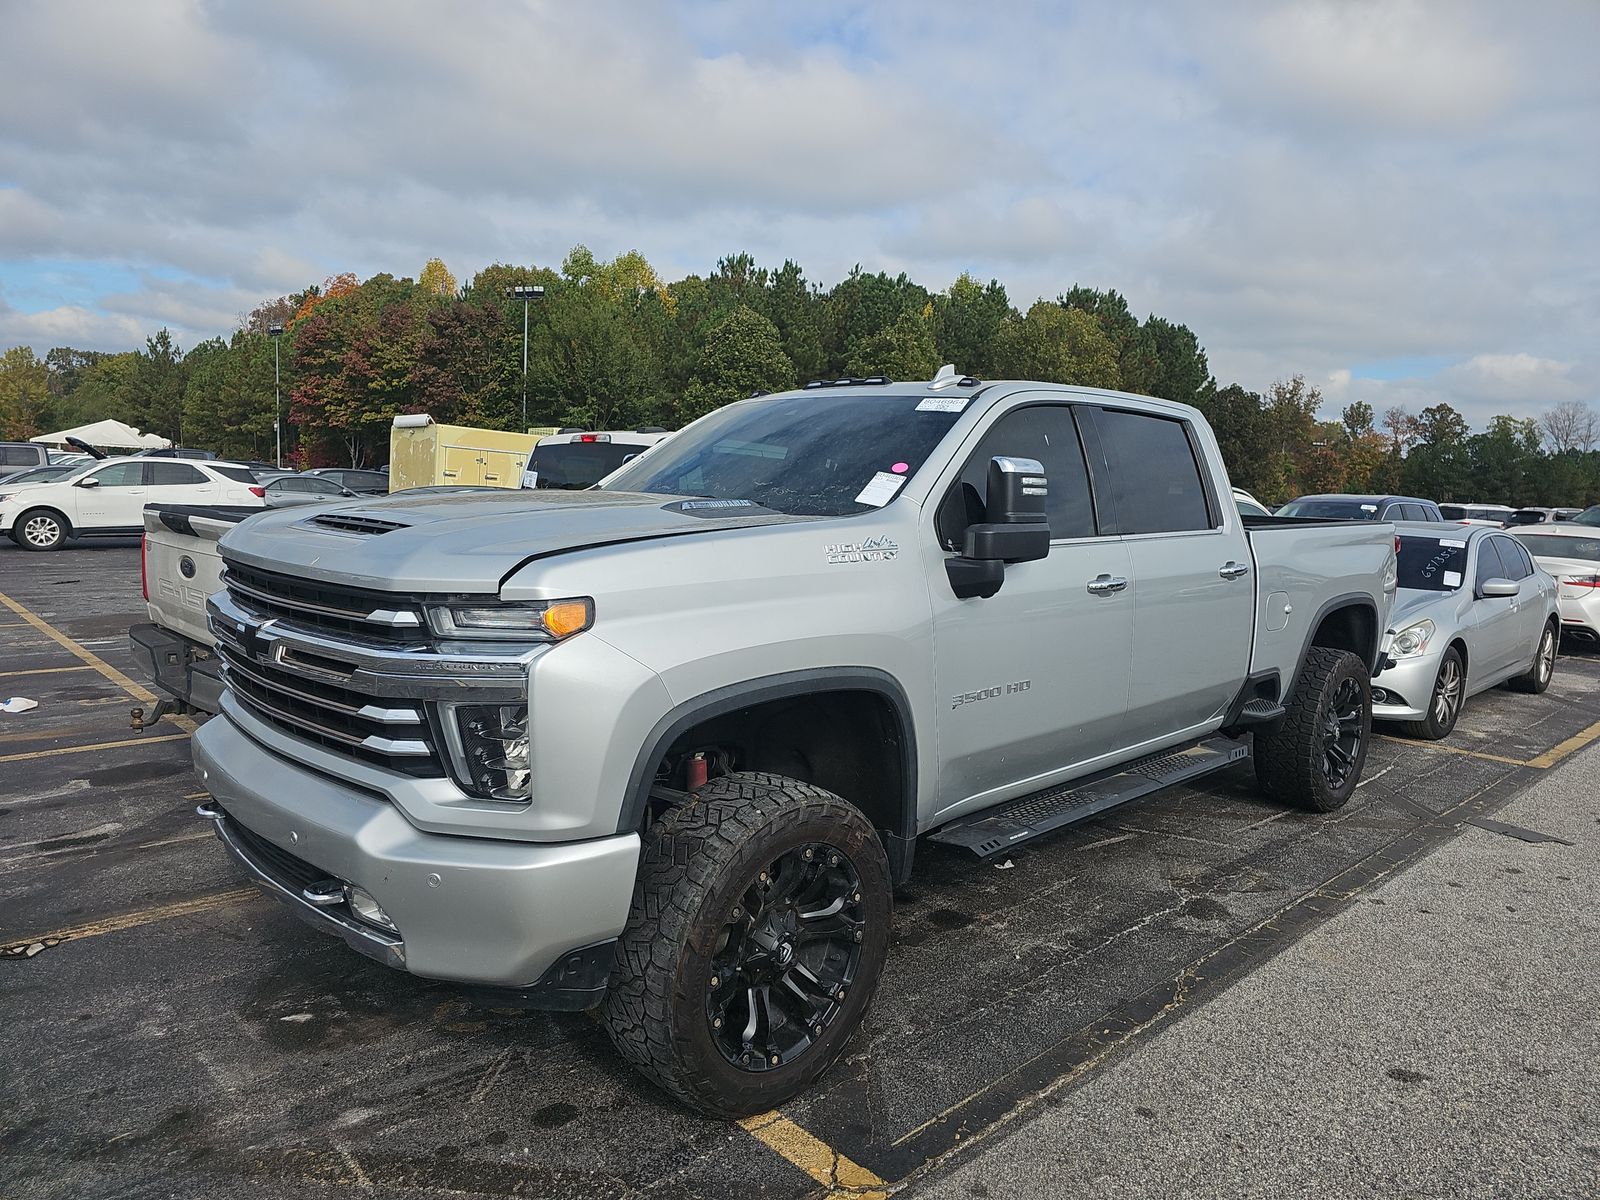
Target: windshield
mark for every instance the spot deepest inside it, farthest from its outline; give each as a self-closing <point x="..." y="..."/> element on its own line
<point x="573" y="465"/>
<point x="1344" y="510"/>
<point x="807" y="455"/>
<point x="1555" y="545"/>
<point x="1430" y="564"/>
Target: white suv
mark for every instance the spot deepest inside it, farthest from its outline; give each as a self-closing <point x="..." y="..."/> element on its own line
<point x="107" y="498"/>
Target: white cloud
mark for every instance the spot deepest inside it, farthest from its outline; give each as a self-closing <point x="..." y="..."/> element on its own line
<point x="1312" y="188"/>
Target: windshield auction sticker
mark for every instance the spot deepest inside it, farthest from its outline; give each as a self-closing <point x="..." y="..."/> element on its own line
<point x="881" y="490"/>
<point x="942" y="403"/>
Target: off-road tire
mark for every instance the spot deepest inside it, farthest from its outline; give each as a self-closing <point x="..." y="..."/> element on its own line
<point x="20" y="528"/>
<point x="1289" y="759"/>
<point x="1537" y="677"/>
<point x="1431" y="728"/>
<point x="697" y="863"/>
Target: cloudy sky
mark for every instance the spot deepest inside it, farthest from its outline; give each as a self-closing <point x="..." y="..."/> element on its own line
<point x="1399" y="200"/>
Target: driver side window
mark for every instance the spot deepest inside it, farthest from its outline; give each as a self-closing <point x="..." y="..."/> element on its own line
<point x="1045" y="432"/>
<point x="1489" y="565"/>
<point x="128" y="474"/>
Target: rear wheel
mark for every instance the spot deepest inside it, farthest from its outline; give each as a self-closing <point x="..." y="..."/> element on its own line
<point x="1444" y="702"/>
<point x="1538" y="676"/>
<point x="40" y="529"/>
<point x="1313" y="759"/>
<point x="759" y="927"/>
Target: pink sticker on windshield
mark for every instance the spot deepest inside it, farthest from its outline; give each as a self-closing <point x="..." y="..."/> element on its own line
<point x="900" y="468"/>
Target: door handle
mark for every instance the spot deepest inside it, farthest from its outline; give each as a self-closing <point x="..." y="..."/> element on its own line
<point x="1106" y="585"/>
<point x="1233" y="570"/>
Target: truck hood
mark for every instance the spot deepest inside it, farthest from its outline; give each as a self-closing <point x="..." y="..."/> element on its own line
<point x="466" y="541"/>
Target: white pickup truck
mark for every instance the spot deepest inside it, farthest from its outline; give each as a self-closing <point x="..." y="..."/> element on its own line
<point x="179" y="567"/>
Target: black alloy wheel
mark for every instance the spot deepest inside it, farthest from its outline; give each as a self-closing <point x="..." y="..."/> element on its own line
<point x="1343" y="730"/>
<point x="786" y="958"/>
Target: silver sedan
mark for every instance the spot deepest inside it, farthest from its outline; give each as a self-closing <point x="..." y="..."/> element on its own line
<point x="1473" y="611"/>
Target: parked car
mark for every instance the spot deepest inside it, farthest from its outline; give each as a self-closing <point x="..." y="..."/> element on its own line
<point x="107" y="498"/>
<point x="1345" y="507"/>
<point x="1589" y="516"/>
<point x="1495" y="515"/>
<point x="669" y="743"/>
<point x="1473" y="611"/>
<point x="1248" y="505"/>
<point x="1570" y="554"/>
<point x="28" y="475"/>
<point x="21" y="456"/>
<point x="179" y="567"/>
<point x="1540" y="516"/>
<point x="369" y="483"/>
<point x="288" y="490"/>
<point x="577" y="459"/>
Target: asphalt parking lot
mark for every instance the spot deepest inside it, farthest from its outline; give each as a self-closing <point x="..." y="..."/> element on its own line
<point x="169" y="1032"/>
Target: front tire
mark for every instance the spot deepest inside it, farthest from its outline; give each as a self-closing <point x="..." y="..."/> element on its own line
<point x="759" y="928"/>
<point x="1537" y="677"/>
<point x="1444" y="701"/>
<point x="1313" y="759"/>
<point x="40" y="529"/>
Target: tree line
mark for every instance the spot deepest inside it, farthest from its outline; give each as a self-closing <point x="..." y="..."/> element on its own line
<point x="612" y="345"/>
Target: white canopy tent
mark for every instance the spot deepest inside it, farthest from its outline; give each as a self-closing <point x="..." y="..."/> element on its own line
<point x="106" y="435"/>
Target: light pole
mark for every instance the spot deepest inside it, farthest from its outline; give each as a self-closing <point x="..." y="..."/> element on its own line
<point x="277" y="412"/>
<point x="526" y="292"/>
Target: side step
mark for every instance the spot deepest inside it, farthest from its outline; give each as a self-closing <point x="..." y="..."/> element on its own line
<point x="1044" y="812"/>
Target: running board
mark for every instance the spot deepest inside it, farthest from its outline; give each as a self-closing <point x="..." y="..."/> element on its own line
<point x="1054" y="808"/>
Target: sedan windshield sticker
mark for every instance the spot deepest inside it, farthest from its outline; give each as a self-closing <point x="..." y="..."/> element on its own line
<point x="881" y="490"/>
<point x="1452" y="579"/>
<point x="873" y="549"/>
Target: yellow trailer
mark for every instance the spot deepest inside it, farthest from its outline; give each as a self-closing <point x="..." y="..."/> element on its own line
<point x="423" y="453"/>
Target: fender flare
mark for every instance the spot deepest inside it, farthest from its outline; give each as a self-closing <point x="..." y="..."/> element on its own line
<point x="1348" y="600"/>
<point x="750" y="692"/>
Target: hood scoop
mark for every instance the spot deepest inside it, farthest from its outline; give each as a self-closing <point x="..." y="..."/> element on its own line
<point x="355" y="523"/>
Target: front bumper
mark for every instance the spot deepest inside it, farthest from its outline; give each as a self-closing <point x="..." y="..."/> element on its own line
<point x="1403" y="690"/>
<point x="483" y="911"/>
<point x="181" y="668"/>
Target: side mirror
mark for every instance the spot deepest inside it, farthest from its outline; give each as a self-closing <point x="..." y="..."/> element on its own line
<point x="1498" y="587"/>
<point x="90" y="481"/>
<point x="1014" y="528"/>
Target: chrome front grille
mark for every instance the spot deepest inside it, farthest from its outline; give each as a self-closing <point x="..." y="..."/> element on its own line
<point x="328" y="664"/>
<point x="311" y="604"/>
<point x="341" y="717"/>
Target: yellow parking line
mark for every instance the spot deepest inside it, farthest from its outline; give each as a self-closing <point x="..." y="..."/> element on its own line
<point x="841" y="1175"/>
<point x="132" y="920"/>
<point x="137" y="690"/>
<point x="138" y="741"/>
<point x="1422" y="745"/>
<point x="40" y="670"/>
<point x="1556" y="753"/>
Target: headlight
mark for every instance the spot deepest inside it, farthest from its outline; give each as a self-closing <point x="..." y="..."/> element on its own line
<point x="490" y="748"/>
<point x="512" y="620"/>
<point x="1412" y="640"/>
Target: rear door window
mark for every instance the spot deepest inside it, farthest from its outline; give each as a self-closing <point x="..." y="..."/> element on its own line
<point x="171" y="473"/>
<point x="1154" y="473"/>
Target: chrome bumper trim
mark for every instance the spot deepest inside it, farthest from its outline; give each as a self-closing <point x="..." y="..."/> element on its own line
<point x="391" y="951"/>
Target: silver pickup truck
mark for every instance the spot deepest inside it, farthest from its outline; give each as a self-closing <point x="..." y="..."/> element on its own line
<point x="667" y="746"/>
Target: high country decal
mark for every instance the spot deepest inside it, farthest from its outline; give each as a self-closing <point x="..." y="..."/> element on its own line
<point x="874" y="549"/>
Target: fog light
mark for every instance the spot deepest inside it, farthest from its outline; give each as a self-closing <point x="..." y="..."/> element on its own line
<point x="367" y="909"/>
<point x="494" y="749"/>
